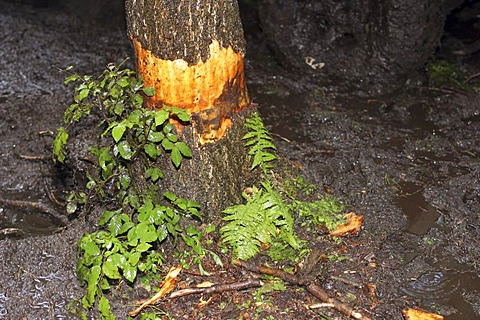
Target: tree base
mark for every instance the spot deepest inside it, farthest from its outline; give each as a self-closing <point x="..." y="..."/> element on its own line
<point x="217" y="173"/>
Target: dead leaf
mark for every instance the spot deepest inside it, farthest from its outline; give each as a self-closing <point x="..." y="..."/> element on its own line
<point x="166" y="286"/>
<point x="352" y="225"/>
<point x="419" y="314"/>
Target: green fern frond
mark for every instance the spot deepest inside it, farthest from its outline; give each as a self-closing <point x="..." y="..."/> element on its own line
<point x="264" y="219"/>
<point x="260" y="143"/>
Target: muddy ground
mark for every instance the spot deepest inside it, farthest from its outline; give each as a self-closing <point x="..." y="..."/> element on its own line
<point x="409" y="162"/>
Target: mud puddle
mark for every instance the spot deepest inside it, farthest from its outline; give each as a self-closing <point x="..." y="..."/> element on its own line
<point x="25" y="214"/>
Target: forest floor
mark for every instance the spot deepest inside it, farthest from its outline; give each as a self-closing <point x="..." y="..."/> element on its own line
<point x="409" y="163"/>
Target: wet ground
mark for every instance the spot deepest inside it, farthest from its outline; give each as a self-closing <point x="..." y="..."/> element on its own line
<point x="410" y="163"/>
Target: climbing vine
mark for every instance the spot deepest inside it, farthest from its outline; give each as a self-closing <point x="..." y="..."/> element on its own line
<point x="142" y="219"/>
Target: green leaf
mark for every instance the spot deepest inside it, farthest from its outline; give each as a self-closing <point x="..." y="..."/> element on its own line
<point x="134" y="257"/>
<point x="110" y="269"/>
<point x="176" y="157"/>
<point x="149" y="91"/>
<point x="104" y="308"/>
<point x="138" y="100"/>
<point x="59" y="144"/>
<point x="184" y="149"/>
<point x="167" y="144"/>
<point x="154" y="136"/>
<point x="82" y="95"/>
<point x="106" y="216"/>
<point x="129" y="272"/>
<point x="142" y="247"/>
<point x="183" y="116"/>
<point x="162" y="232"/>
<point x="160" y="117"/>
<point x="90" y="247"/>
<point x="146" y="232"/>
<point x="152" y="150"/>
<point x="118" y="131"/>
<point x="172" y="137"/>
<point x="170" y="196"/>
<point x="124" y="150"/>
<point x="71" y="78"/>
<point x="92" y="287"/>
<point x="123" y="82"/>
<point x="154" y="174"/>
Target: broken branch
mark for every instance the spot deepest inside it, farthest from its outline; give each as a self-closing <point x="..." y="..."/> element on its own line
<point x="315" y="290"/>
<point x="237" y="286"/>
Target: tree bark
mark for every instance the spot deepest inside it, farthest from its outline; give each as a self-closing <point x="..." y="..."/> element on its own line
<point x="191" y="53"/>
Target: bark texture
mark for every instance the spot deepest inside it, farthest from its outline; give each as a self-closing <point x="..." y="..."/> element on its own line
<point x="191" y="53"/>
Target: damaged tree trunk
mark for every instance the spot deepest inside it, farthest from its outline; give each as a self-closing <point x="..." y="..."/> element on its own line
<point x="191" y="53"/>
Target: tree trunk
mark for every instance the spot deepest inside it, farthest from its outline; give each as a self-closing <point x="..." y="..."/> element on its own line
<point x="191" y="53"/>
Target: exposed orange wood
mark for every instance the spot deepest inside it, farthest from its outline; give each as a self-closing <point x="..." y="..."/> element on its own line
<point x="211" y="91"/>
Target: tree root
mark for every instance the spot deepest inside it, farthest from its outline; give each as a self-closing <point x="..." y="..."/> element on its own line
<point x="314" y="289"/>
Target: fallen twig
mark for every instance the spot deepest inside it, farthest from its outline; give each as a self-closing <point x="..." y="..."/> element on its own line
<point x="315" y="290"/>
<point x="250" y="283"/>
<point x="473" y="76"/>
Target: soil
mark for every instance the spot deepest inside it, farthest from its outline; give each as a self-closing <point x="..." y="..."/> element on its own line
<point x="409" y="162"/>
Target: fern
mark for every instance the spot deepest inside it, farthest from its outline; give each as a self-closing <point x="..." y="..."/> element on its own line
<point x="260" y="143"/>
<point x="264" y="219"/>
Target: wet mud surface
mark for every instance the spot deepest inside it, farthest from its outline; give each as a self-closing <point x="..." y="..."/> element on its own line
<point x="409" y="162"/>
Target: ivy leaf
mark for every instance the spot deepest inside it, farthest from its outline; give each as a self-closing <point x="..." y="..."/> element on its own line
<point x="59" y="144"/>
<point x="184" y="149"/>
<point x="124" y="150"/>
<point x="110" y="269"/>
<point x="154" y="174"/>
<point x="176" y="157"/>
<point x="149" y="91"/>
<point x="104" y="308"/>
<point x="118" y="131"/>
<point x="160" y="117"/>
<point x="152" y="150"/>
<point x="71" y="78"/>
<point x="106" y="216"/>
<point x="123" y="82"/>
<point x="129" y="272"/>
<point x="82" y="95"/>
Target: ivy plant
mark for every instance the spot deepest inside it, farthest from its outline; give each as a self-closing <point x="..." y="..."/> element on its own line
<point x="125" y="244"/>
